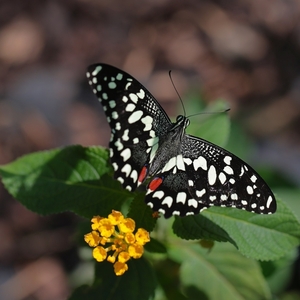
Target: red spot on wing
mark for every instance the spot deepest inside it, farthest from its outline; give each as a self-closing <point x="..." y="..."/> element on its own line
<point x="155" y="183"/>
<point x="143" y="174"/>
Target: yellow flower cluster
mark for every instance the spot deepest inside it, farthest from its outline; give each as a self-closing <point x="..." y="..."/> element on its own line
<point x="116" y="233"/>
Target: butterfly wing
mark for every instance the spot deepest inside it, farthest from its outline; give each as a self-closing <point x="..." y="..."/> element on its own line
<point x="136" y="119"/>
<point x="206" y="175"/>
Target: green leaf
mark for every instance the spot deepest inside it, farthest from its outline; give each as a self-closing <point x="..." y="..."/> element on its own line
<point x="138" y="283"/>
<point x="141" y="213"/>
<point x="199" y="227"/>
<point x="291" y="197"/>
<point x="155" y="246"/>
<point x="263" y="237"/>
<point x="66" y="179"/>
<point x="221" y="273"/>
<point x="279" y="273"/>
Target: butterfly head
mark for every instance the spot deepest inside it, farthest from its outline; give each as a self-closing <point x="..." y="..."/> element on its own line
<point x="182" y="121"/>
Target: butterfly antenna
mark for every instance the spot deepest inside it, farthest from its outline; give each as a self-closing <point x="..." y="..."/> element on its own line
<point x="210" y="113"/>
<point x="170" y="75"/>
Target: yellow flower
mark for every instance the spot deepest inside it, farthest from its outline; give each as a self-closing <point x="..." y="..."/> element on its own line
<point x="120" y="268"/>
<point x="93" y="238"/>
<point x="127" y="225"/>
<point x="136" y="250"/>
<point x="114" y="240"/>
<point x="142" y="236"/>
<point x="99" y="253"/>
<point x="116" y="217"/>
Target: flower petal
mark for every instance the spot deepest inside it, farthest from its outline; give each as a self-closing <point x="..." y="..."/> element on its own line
<point x="127" y="225"/>
<point x="142" y="236"/>
<point x="99" y="253"/>
<point x="136" y="250"/>
<point x="129" y="238"/>
<point x="92" y="238"/>
<point x="115" y="217"/>
<point x="120" y="268"/>
<point x="106" y="228"/>
<point x="123" y="257"/>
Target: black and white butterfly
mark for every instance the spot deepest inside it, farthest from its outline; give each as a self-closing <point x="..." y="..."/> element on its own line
<point x="187" y="174"/>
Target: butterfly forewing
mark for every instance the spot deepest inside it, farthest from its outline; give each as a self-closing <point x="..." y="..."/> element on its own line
<point x="136" y="119"/>
<point x="188" y="174"/>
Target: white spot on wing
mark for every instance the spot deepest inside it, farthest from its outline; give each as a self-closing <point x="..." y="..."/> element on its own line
<point x="126" y="169"/>
<point x="168" y="201"/>
<point x="121" y="180"/>
<point x="126" y="153"/>
<point x="153" y="152"/>
<point x="112" y="103"/>
<point x="152" y="133"/>
<point x="97" y="70"/>
<point x="253" y="178"/>
<point x="150" y="204"/>
<point x="127" y="85"/>
<point x="192" y="202"/>
<point x="112" y="85"/>
<point x="162" y="211"/>
<point x="119" y="145"/>
<point x="242" y="171"/>
<point x="191" y="182"/>
<point x="114" y="115"/>
<point x="134" y="175"/>
<point x="269" y="201"/>
<point x="119" y="76"/>
<point x="180" y="163"/>
<point x="135" y="116"/>
<point x="118" y="126"/>
<point x="228" y="170"/>
<point x="148" y="122"/>
<point x="130" y="107"/>
<point x="212" y="175"/>
<point x="158" y="194"/>
<point x="181" y="197"/>
<point x="227" y="160"/>
<point x="187" y="160"/>
<point x="234" y="196"/>
<point x="169" y="165"/>
<point x="222" y="177"/>
<point x="200" y="193"/>
<point x="249" y="190"/>
<point x="125" y="136"/>
<point x="200" y="162"/>
<point x="133" y="97"/>
<point x="141" y="94"/>
<point x="224" y="197"/>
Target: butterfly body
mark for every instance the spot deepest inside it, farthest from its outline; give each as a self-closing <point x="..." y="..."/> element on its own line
<point x="187" y="174"/>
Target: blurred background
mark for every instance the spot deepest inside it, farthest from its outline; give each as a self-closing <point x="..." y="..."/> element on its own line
<point x="246" y="52"/>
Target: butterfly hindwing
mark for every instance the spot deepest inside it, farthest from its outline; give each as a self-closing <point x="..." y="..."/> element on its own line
<point x="217" y="177"/>
<point x="136" y="119"/>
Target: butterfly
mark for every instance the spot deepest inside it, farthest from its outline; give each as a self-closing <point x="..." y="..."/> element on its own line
<point x="186" y="173"/>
